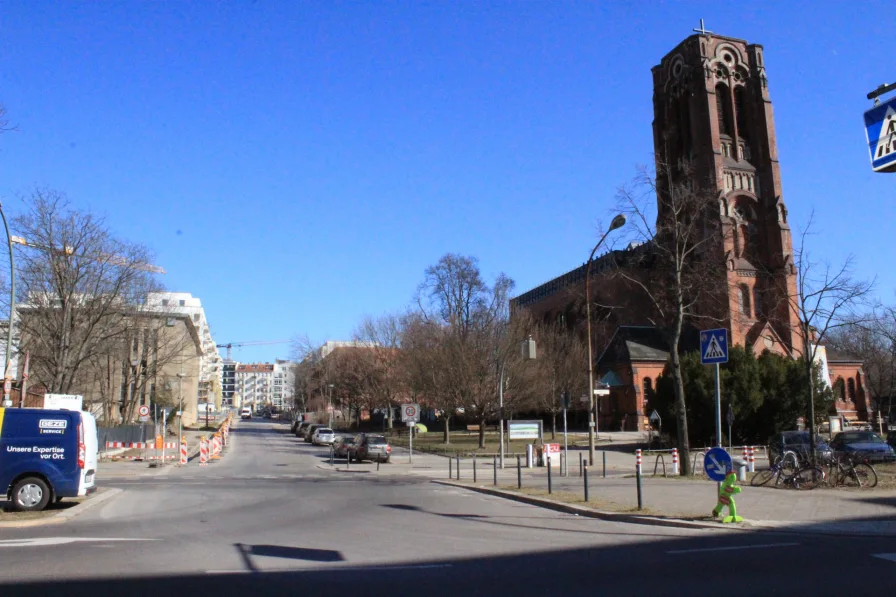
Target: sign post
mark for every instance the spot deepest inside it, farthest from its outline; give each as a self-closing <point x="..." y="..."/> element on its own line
<point x="599" y="392"/>
<point x="565" y="471"/>
<point x="714" y="350"/>
<point x="655" y="419"/>
<point x="730" y="422"/>
<point x="410" y="414"/>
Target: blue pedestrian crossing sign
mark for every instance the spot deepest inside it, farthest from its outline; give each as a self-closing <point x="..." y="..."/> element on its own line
<point x="717" y="463"/>
<point x="714" y="346"/>
<point x="880" y="129"/>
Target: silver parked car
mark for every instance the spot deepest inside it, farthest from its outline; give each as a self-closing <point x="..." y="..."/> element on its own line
<point x="324" y="436"/>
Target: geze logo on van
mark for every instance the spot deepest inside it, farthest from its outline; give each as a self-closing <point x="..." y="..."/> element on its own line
<point x="52" y="426"/>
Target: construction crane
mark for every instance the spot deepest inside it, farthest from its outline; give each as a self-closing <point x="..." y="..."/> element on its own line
<point x="229" y="346"/>
<point x="112" y="259"/>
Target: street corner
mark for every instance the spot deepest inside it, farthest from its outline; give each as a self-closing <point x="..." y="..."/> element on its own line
<point x="57" y="513"/>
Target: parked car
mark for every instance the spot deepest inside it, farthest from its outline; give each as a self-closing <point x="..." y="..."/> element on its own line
<point x="301" y="428"/>
<point x="309" y="431"/>
<point x="866" y="443"/>
<point x="342" y="446"/>
<point x="246" y="413"/>
<point x="796" y="441"/>
<point x="323" y="436"/>
<point x="891" y="439"/>
<point x="371" y="447"/>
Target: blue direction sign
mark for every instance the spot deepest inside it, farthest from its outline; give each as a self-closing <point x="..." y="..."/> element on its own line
<point x="880" y="129"/>
<point x="717" y="463"/>
<point x="714" y="346"/>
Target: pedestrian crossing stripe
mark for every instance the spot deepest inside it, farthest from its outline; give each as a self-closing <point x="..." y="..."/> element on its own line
<point x="713" y="351"/>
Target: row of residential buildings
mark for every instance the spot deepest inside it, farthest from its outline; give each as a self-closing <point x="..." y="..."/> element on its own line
<point x="258" y="384"/>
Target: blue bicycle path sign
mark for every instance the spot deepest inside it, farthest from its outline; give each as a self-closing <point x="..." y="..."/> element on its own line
<point x="717" y="463"/>
<point x="714" y="346"/>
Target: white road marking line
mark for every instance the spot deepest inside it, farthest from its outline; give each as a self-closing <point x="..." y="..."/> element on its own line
<point x="885" y="556"/>
<point x="733" y="548"/>
<point x="334" y="568"/>
<point x="45" y="541"/>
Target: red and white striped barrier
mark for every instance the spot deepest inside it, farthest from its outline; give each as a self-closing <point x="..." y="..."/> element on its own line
<point x="638" y="460"/>
<point x="203" y="451"/>
<point x="675" y="461"/>
<point x="751" y="460"/>
<point x="183" y="452"/>
<point x="167" y="457"/>
<point x="139" y="445"/>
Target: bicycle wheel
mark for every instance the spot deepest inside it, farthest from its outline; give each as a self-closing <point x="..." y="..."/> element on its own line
<point x="866" y="475"/>
<point x="762" y="477"/>
<point x="808" y="478"/>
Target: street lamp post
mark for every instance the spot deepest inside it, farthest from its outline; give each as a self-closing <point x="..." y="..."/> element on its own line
<point x="618" y="222"/>
<point x="330" y="406"/>
<point x="528" y="350"/>
<point x="7" y="402"/>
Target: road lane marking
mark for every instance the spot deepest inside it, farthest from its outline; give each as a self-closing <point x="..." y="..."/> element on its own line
<point x="46" y="541"/>
<point x="885" y="556"/>
<point x="732" y="548"/>
<point x="371" y="568"/>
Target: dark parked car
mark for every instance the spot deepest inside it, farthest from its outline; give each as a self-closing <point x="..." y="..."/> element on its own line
<point x="342" y="446"/>
<point x="301" y="428"/>
<point x="891" y="439"/>
<point x="796" y="441"/>
<point x="371" y="447"/>
<point x="865" y="443"/>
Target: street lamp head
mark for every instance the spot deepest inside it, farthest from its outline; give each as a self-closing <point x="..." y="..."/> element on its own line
<point x="528" y="349"/>
<point x="618" y="222"/>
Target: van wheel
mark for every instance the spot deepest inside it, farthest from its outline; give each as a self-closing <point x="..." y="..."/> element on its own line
<point x="30" y="495"/>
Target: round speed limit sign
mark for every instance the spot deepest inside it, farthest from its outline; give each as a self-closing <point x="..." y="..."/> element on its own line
<point x="411" y="412"/>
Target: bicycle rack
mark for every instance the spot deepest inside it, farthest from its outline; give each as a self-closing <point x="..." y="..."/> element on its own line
<point x="656" y="465"/>
<point x="694" y="468"/>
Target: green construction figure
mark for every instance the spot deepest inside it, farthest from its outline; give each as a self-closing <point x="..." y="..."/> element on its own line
<point x="727" y="490"/>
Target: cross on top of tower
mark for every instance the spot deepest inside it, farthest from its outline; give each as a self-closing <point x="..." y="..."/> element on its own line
<point x="702" y="30"/>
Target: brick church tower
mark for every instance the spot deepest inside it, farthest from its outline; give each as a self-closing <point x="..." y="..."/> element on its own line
<point x="712" y="109"/>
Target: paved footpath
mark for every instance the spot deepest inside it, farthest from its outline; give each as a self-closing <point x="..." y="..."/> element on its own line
<point x="821" y="510"/>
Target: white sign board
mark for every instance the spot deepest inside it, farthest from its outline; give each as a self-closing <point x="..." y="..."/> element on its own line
<point x="524" y="429"/>
<point x="63" y="401"/>
<point x="410" y="412"/>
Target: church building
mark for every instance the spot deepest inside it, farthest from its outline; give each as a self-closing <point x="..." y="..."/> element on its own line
<point x="712" y="109"/>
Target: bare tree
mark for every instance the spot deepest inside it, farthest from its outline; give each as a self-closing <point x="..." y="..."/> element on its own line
<point x="561" y="364"/>
<point x="384" y="381"/>
<point x="828" y="297"/>
<point x="79" y="282"/>
<point x="669" y="270"/>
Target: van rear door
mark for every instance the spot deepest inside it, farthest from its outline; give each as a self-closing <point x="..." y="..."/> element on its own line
<point x="89" y="438"/>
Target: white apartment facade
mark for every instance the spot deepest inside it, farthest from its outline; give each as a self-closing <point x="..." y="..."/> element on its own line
<point x="284" y="383"/>
<point x="255" y="384"/>
<point x="210" y="364"/>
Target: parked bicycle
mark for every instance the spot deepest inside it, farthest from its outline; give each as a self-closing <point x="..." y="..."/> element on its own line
<point x="789" y="470"/>
<point x="850" y="471"/>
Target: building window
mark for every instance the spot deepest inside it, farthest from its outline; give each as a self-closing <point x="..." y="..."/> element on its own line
<point x="196" y="317"/>
<point x="741" y="113"/>
<point x="839" y="390"/>
<point x="745" y="300"/>
<point x="723" y="107"/>
<point x="182" y="302"/>
<point x="164" y="302"/>
<point x="648" y="390"/>
<point x="757" y="303"/>
<point x="851" y="389"/>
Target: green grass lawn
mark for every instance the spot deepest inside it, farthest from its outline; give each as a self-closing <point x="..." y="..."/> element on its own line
<point x="465" y="443"/>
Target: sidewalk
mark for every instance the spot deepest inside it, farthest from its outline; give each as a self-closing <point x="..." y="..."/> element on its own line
<point x="834" y="511"/>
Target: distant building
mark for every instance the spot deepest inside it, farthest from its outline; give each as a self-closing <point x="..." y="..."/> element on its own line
<point x="284" y="383"/>
<point x="228" y="382"/>
<point x="210" y="368"/>
<point x="255" y="383"/>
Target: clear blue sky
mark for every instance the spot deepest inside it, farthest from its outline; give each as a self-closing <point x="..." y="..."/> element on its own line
<point x="298" y="165"/>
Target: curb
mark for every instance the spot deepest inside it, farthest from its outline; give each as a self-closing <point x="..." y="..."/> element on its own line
<point x="586" y="511"/>
<point x="752" y="526"/>
<point x="65" y="515"/>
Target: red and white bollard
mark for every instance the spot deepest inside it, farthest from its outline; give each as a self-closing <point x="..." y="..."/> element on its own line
<point x="183" y="452"/>
<point x="751" y="460"/>
<point x="638" y="460"/>
<point x="203" y="451"/>
<point x="743" y="454"/>
<point x="675" y="461"/>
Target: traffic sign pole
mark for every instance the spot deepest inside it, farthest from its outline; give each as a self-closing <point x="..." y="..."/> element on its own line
<point x="718" y="409"/>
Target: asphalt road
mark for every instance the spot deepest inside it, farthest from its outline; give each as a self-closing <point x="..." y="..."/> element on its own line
<point x="265" y="518"/>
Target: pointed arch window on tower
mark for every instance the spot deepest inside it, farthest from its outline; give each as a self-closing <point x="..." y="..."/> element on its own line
<point x="723" y="107"/>
<point x="757" y="302"/>
<point x="741" y="112"/>
<point x="851" y="389"/>
<point x="745" y="307"/>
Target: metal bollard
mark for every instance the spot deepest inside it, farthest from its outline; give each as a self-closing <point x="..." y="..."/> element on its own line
<point x="640" y="503"/>
<point x="519" y="474"/>
<point x="585" y="477"/>
<point x="331" y="456"/>
<point x="580" y="464"/>
<point x="474" y="468"/>
<point x="550" y="487"/>
<point x="450" y="468"/>
<point x="604" y="454"/>
<point x="562" y="461"/>
<point x="457" y="467"/>
<point x="377" y="465"/>
<point x="495" y="469"/>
